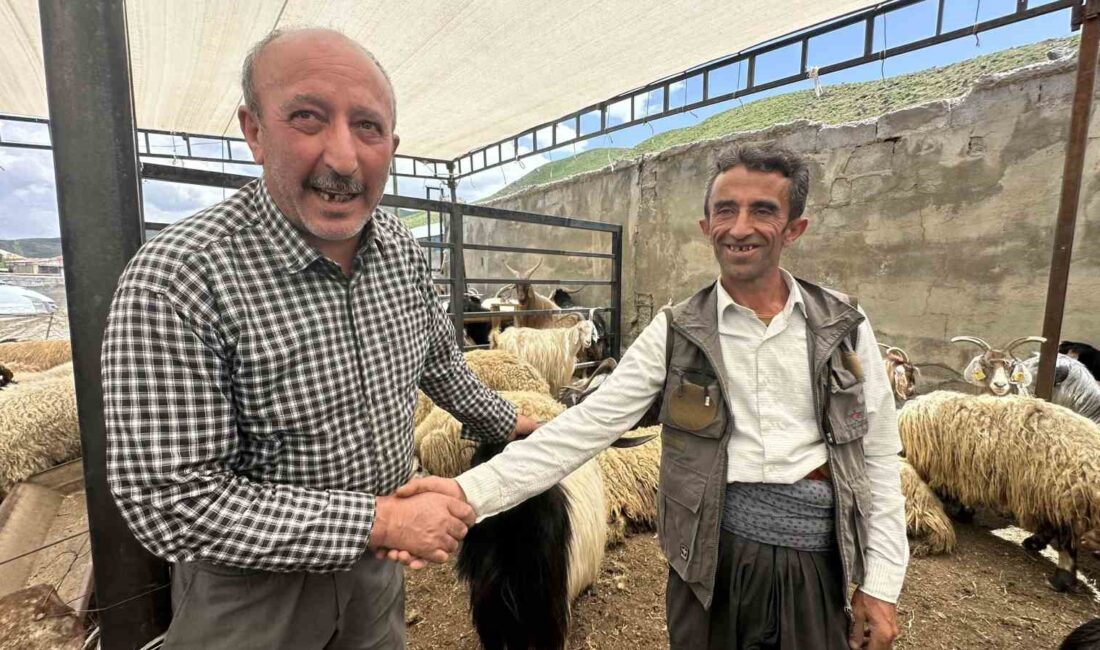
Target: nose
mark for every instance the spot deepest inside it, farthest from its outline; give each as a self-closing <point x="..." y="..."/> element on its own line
<point x="340" y="151"/>
<point x="741" y="226"/>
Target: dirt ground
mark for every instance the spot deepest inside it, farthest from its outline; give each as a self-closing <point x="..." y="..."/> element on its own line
<point x="988" y="594"/>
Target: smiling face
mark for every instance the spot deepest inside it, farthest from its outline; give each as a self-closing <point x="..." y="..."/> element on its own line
<point x="323" y="132"/>
<point x="748" y="226"/>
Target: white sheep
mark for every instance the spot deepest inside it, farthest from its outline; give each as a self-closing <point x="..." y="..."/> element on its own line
<point x="1021" y="455"/>
<point x="500" y="370"/>
<point x="925" y="519"/>
<point x="552" y="351"/>
<point x="38" y="427"/>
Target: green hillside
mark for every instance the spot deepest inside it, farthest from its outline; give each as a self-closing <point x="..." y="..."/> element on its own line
<point x="839" y="104"/>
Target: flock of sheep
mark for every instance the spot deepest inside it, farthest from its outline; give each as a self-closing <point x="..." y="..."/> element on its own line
<point x="993" y="446"/>
<point x="1004" y="450"/>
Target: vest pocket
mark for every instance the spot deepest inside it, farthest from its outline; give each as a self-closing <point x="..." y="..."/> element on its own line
<point x="681" y="491"/>
<point x="846" y="406"/>
<point x="692" y="402"/>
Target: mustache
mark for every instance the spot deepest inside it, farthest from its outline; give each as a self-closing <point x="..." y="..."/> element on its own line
<point x="337" y="184"/>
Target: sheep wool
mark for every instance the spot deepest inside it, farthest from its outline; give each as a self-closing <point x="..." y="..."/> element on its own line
<point x="38" y="428"/>
<point x="553" y="352"/>
<point x="630" y="477"/>
<point x="925" y="520"/>
<point x="1036" y="460"/>
<point x="442" y="450"/>
<point x="34" y="356"/>
<point x="497" y="369"/>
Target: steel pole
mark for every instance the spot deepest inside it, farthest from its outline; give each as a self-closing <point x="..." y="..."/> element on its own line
<point x="86" y="54"/>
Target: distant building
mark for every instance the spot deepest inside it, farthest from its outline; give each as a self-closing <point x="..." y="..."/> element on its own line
<point x="30" y="266"/>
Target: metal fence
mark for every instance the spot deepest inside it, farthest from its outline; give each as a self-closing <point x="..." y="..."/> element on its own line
<point x="446" y="246"/>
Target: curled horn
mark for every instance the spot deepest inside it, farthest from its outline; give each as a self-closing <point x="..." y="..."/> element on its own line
<point x="1022" y="340"/>
<point x="973" y="339"/>
<point x="514" y="272"/>
<point x="503" y="289"/>
<point x="891" y="350"/>
<point x="573" y="291"/>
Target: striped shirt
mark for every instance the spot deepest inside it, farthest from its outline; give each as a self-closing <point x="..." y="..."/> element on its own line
<point x="257" y="399"/>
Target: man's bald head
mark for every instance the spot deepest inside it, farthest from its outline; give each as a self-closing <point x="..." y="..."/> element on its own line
<point x="248" y="69"/>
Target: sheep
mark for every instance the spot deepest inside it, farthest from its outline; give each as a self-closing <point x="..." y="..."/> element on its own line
<point x="563" y="298"/>
<point x="901" y="373"/>
<point x="524" y="567"/>
<point x="38" y="427"/>
<point x="553" y="352"/>
<point x="925" y="519"/>
<point x="6" y="375"/>
<point x="998" y="371"/>
<point x="497" y="369"/>
<point x="1084" y="637"/>
<point x="33" y="356"/>
<point x="1074" y="387"/>
<point x="630" y="477"/>
<point x="531" y="300"/>
<point x="1035" y="460"/>
<point x="1084" y="353"/>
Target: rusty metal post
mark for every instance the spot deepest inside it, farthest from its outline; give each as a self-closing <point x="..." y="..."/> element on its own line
<point x="1089" y="17"/>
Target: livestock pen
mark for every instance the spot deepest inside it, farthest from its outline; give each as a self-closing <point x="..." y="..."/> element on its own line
<point x="86" y="52"/>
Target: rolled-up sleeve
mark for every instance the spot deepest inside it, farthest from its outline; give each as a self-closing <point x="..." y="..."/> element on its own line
<point x="172" y="444"/>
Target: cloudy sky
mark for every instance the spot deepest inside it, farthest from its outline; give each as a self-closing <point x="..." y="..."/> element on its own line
<point x="28" y="204"/>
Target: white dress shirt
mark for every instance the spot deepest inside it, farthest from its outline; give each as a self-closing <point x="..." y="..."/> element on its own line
<point x="775" y="434"/>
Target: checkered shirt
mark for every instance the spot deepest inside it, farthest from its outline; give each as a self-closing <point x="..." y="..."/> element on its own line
<point x="257" y="399"/>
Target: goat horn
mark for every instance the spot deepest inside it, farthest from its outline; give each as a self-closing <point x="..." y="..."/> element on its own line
<point x="890" y="349"/>
<point x="972" y="339"/>
<point x="534" y="268"/>
<point x="514" y="272"/>
<point x="1022" y="340"/>
<point x="503" y="289"/>
<point x="573" y="291"/>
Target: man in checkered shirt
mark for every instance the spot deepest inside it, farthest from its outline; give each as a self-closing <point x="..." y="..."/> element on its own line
<point x="260" y="369"/>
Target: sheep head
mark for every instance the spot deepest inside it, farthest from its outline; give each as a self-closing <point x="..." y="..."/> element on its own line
<point x="901" y="373"/>
<point x="998" y="371"/>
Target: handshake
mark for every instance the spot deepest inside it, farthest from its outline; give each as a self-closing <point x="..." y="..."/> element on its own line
<point x="422" y="522"/>
<point x="427" y="517"/>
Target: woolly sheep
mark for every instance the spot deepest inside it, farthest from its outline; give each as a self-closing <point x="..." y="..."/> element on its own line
<point x="630" y="476"/>
<point x="925" y="520"/>
<point x="553" y="352"/>
<point x="1074" y="387"/>
<point x="497" y="369"/>
<point x="34" y="356"/>
<point x="38" y="428"/>
<point x="1021" y="455"/>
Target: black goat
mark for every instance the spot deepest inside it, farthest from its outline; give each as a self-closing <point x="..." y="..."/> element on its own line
<point x="1084" y="353"/>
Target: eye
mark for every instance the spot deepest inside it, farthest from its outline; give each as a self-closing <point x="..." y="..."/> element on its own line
<point x="304" y="115"/>
<point x="368" y="125"/>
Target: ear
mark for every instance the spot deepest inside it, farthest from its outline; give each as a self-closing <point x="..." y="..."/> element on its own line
<point x="974" y="373"/>
<point x="794" y="230"/>
<point x="1021" y="376"/>
<point x="250" y="127"/>
<point x="396" y="142"/>
<point x="704" y="227"/>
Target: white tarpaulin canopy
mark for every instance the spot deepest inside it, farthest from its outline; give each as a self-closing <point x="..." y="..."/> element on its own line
<point x="17" y="301"/>
<point x="466" y="73"/>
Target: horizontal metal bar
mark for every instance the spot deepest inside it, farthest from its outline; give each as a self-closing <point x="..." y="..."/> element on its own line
<point x="486" y="212"/>
<point x="865" y="15"/>
<point x="156" y="225"/>
<point x="561" y="282"/>
<point x="535" y="251"/>
<point x="443" y="280"/>
<point x="539" y="312"/>
<point x="436" y="244"/>
<point x="25" y="145"/>
<point x="173" y="174"/>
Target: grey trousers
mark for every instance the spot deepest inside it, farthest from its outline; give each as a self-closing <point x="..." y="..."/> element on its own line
<point x="765" y="598"/>
<point x="216" y="607"/>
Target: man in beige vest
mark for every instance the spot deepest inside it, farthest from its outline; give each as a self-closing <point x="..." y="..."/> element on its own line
<point x="779" y="470"/>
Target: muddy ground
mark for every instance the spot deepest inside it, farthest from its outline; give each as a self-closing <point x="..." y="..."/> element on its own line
<point x="989" y="594"/>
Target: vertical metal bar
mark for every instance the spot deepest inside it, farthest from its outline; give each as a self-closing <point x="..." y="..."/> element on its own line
<point x="187" y="141"/>
<point x="805" y="55"/>
<point x="869" y="36"/>
<point x="617" y="292"/>
<point x="706" y="84"/>
<point x="86" y="55"/>
<point x="665" y="89"/>
<point x="603" y="118"/>
<point x="1021" y="6"/>
<point x="1071" y="192"/>
<point x="752" y="73"/>
<point x="458" y="262"/>
<point x="939" y="18"/>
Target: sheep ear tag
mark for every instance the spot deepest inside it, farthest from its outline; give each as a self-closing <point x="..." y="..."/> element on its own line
<point x="979" y="375"/>
<point x="1021" y="376"/>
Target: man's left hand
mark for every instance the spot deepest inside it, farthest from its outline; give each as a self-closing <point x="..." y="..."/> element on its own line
<point x="874" y="623"/>
<point x="525" y="426"/>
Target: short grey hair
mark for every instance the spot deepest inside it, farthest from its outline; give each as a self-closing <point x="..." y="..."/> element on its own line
<point x="766" y="158"/>
<point x="248" y="68"/>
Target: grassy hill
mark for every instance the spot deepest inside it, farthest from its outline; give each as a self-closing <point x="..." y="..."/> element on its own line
<point x="839" y="104"/>
<point x="42" y="247"/>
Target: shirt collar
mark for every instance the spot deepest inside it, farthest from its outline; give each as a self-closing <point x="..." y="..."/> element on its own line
<point x="292" y="246"/>
<point x="795" y="298"/>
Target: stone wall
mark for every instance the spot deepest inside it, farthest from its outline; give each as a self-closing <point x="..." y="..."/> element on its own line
<point x="939" y="217"/>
